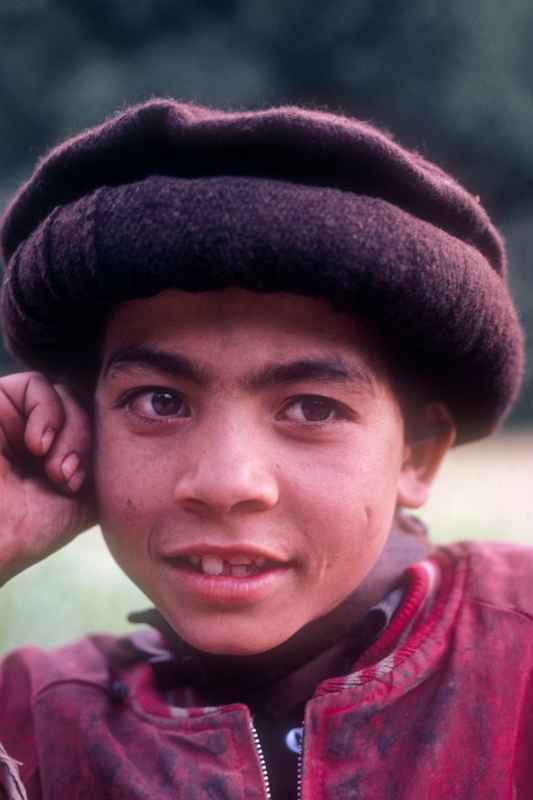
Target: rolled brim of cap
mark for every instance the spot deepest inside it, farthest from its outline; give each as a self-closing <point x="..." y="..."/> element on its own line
<point x="442" y="311"/>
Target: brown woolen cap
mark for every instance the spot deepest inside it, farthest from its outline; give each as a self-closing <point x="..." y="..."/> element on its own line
<point x="173" y="195"/>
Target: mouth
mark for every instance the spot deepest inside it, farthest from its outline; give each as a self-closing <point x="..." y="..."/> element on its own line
<point x="235" y="566"/>
<point x="228" y="576"/>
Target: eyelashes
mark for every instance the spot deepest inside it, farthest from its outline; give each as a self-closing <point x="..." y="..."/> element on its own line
<point x="314" y="409"/>
<point x="163" y="404"/>
<point x="155" y="403"/>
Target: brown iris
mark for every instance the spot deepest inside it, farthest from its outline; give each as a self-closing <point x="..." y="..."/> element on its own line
<point x="166" y="404"/>
<point x="316" y="409"/>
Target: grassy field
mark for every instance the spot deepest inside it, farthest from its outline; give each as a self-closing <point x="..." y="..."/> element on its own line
<point x="483" y="491"/>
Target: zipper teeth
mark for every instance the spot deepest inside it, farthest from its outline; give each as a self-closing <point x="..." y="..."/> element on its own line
<point x="300" y="773"/>
<point x="262" y="762"/>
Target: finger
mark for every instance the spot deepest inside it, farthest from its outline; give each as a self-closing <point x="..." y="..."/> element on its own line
<point x="31" y="412"/>
<point x="12" y="423"/>
<point x="67" y="462"/>
<point x="45" y="415"/>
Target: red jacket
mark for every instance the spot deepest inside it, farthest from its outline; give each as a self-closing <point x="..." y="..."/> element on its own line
<point x="441" y="706"/>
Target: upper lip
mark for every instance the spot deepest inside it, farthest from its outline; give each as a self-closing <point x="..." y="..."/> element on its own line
<point x="225" y="552"/>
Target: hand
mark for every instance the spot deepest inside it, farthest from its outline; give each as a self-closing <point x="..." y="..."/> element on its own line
<point x="44" y="461"/>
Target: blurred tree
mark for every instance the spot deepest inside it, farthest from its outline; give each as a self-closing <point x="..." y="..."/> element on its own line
<point x="453" y="80"/>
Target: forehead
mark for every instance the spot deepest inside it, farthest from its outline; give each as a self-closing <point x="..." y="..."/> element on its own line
<point x="217" y="325"/>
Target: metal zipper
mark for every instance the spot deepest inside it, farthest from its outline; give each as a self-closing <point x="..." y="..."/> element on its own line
<point x="262" y="762"/>
<point x="300" y="773"/>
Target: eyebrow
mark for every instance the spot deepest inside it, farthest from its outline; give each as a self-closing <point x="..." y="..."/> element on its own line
<point x="322" y="369"/>
<point x="173" y="364"/>
<point x="332" y="369"/>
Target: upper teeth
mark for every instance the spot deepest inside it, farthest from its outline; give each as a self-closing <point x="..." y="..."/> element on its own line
<point x="212" y="565"/>
<point x="238" y="565"/>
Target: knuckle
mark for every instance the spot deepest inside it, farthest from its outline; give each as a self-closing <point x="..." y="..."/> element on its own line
<point x="38" y="381"/>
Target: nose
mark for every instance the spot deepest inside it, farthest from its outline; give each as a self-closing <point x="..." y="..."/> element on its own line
<point x="230" y="474"/>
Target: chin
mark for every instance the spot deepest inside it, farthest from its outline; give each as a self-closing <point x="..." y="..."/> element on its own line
<point x="239" y="646"/>
<point x="230" y="649"/>
<point x="229" y="643"/>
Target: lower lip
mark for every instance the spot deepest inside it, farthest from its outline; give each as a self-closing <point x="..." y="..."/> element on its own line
<point x="230" y="590"/>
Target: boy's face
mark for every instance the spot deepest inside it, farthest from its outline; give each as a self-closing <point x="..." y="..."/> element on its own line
<point x="249" y="458"/>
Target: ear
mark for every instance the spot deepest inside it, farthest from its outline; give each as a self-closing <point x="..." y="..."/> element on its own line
<point x="423" y="454"/>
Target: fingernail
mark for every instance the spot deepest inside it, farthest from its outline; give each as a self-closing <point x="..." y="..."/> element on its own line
<point x="46" y="439"/>
<point x="69" y="465"/>
<point x="76" y="481"/>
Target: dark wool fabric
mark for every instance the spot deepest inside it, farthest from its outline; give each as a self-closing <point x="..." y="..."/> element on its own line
<point x="172" y="195"/>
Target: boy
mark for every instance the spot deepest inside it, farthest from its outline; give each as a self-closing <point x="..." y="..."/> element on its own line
<point x="268" y="328"/>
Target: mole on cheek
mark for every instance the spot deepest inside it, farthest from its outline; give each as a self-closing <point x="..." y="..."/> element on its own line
<point x="130" y="509"/>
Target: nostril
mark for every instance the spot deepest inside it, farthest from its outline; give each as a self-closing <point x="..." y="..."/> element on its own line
<point x="223" y="496"/>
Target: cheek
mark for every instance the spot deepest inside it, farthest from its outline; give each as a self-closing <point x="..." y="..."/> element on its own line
<point x="353" y="489"/>
<point x="131" y="488"/>
<point x="128" y="513"/>
<point x="348" y="504"/>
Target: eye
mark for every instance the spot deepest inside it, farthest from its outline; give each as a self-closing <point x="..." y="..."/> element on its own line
<point x="314" y="408"/>
<point x="156" y="403"/>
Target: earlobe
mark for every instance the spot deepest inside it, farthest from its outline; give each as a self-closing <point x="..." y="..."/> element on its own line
<point x="423" y="455"/>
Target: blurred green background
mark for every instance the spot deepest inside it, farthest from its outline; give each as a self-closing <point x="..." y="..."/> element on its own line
<point x="452" y="80"/>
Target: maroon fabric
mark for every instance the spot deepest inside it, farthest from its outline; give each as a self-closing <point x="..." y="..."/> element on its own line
<point x="298" y="145"/>
<point x="173" y="195"/>
<point x="447" y="713"/>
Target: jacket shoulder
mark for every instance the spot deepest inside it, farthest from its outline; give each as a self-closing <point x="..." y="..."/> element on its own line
<point x="497" y="573"/>
<point x="92" y="658"/>
<point x="24" y="673"/>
